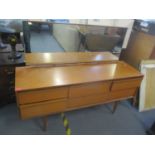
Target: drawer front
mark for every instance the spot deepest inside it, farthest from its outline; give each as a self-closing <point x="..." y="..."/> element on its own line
<point x="126" y="84"/>
<point x="86" y="101"/>
<point x="89" y="89"/>
<point x="122" y="94"/>
<point x="42" y="109"/>
<point x="42" y="95"/>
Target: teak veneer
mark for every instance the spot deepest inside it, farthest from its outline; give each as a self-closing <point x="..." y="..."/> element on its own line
<point x="58" y="82"/>
<point x="68" y="58"/>
<point x="42" y="91"/>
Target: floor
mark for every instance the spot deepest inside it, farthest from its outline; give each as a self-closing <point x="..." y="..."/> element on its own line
<point x="44" y="42"/>
<point x="96" y="120"/>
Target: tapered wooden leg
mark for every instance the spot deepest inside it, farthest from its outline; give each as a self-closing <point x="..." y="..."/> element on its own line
<point x="114" y="106"/>
<point x="134" y="100"/>
<point x="45" y="123"/>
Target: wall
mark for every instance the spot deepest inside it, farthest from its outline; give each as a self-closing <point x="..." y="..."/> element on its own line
<point x="71" y="40"/>
<point x="78" y="21"/>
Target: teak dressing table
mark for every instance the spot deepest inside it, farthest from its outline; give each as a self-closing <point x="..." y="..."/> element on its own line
<point x="43" y="89"/>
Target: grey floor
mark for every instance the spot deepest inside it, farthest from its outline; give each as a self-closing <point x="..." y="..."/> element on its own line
<point x="96" y="120"/>
<point x="44" y="42"/>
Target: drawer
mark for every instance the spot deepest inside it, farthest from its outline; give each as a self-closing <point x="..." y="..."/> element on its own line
<point x="42" y="95"/>
<point x="116" y="95"/>
<point x="86" y="101"/>
<point x="42" y="109"/>
<point x="89" y="89"/>
<point x="126" y="84"/>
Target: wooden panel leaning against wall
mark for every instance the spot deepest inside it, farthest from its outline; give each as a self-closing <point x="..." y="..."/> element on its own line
<point x="141" y="46"/>
<point x="140" y="53"/>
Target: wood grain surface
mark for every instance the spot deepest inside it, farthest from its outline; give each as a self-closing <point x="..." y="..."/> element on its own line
<point x="68" y="57"/>
<point x="141" y="46"/>
<point x="29" y="78"/>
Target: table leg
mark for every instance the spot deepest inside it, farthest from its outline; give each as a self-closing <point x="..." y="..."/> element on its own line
<point x="45" y="123"/>
<point x="114" y="106"/>
<point x="134" y="100"/>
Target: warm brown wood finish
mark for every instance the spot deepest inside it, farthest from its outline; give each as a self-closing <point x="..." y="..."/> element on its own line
<point x="125" y="84"/>
<point x="89" y="89"/>
<point x="46" y="90"/>
<point x="30" y="78"/>
<point x="43" y="95"/>
<point x="141" y="46"/>
<point x="86" y="101"/>
<point x="122" y="94"/>
<point x="42" y="108"/>
<point x="63" y="58"/>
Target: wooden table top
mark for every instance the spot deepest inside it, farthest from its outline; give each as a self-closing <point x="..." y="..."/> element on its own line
<point x="68" y="57"/>
<point x="29" y="78"/>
